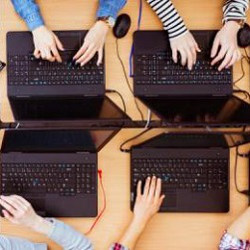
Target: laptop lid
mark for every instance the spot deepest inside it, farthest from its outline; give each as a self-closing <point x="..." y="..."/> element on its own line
<point x="66" y="109"/>
<point x="187" y="140"/>
<point x="56" y="141"/>
<point x="200" y="111"/>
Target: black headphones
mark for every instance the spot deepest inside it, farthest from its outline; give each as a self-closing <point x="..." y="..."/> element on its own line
<point x="243" y="36"/>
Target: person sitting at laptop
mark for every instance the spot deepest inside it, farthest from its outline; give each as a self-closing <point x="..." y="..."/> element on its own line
<point x="147" y="204"/>
<point x="237" y="236"/>
<point x="19" y="211"/>
<point x="225" y="45"/>
<point x="47" y="43"/>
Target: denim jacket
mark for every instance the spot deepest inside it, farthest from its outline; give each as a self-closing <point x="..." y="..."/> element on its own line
<point x="29" y="11"/>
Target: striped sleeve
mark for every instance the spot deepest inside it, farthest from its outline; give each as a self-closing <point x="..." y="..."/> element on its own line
<point x="235" y="9"/>
<point x="171" y="20"/>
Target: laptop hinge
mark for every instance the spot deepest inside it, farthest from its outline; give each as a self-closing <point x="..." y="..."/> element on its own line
<point x="82" y="152"/>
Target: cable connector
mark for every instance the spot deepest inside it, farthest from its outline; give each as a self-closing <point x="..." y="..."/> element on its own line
<point x="100" y="173"/>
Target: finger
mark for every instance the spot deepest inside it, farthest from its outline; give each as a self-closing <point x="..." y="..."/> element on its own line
<point x="158" y="190"/>
<point x="100" y="56"/>
<point x="43" y="54"/>
<point x="37" y="53"/>
<point x="146" y="187"/>
<point x="174" y="55"/>
<point x="13" y="201"/>
<point x="190" y="60"/>
<point x="49" y="56"/>
<point x="139" y="189"/>
<point x="183" y="57"/>
<point x="22" y="200"/>
<point x="7" y="206"/>
<point x="81" y="51"/>
<point x="221" y="54"/>
<point x="226" y="60"/>
<point x="87" y="59"/>
<point x="58" y="43"/>
<point x="21" y="205"/>
<point x="161" y="200"/>
<point x="152" y="188"/>
<point x="91" y="49"/>
<point x="194" y="54"/>
<point x="56" y="54"/>
<point x="197" y="48"/>
<point x="234" y="59"/>
<point x="215" y="47"/>
<point x="8" y="216"/>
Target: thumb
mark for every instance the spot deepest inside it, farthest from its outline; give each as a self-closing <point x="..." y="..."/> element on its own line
<point x="58" y="43"/>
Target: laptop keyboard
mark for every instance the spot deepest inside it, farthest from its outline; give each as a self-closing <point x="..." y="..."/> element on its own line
<point x="28" y="71"/>
<point x="197" y="175"/>
<point x="41" y="178"/>
<point x="159" y="69"/>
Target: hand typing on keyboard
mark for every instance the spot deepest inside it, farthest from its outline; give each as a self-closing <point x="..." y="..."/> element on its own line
<point x="93" y="42"/>
<point x="46" y="44"/>
<point x="19" y="211"/>
<point x="229" y="51"/>
<point x="187" y="47"/>
<point x="146" y="206"/>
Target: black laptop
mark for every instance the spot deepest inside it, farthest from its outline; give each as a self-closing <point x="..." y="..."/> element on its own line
<point x="194" y="169"/>
<point x="40" y="91"/>
<point x="56" y="170"/>
<point x="200" y="111"/>
<point x="155" y="73"/>
<point x="28" y="76"/>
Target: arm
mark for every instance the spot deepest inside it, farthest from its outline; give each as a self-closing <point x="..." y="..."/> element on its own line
<point x="110" y="7"/>
<point x="235" y="10"/>
<point x="29" y="11"/>
<point x="226" y="38"/>
<point x="146" y="206"/>
<point x="238" y="234"/>
<point x="17" y="210"/>
<point x="96" y="37"/>
<point x="181" y="40"/>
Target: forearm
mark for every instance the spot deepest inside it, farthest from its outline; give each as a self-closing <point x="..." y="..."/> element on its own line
<point x="132" y="234"/>
<point x="110" y="7"/>
<point x="171" y="20"/>
<point x="235" y="9"/>
<point x="240" y="228"/>
<point x="29" y="11"/>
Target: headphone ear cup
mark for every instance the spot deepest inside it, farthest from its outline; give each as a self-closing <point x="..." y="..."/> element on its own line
<point x="243" y="36"/>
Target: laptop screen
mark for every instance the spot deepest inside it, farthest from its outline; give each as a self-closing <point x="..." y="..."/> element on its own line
<point x="200" y="110"/>
<point x="85" y="108"/>
<point x="32" y="141"/>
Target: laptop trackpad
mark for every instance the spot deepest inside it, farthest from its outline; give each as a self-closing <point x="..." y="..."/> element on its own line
<point x="170" y="200"/>
<point x="38" y="205"/>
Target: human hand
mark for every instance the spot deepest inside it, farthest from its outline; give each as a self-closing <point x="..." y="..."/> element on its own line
<point x="19" y="211"/>
<point x="147" y="203"/>
<point x="46" y="44"/>
<point x="93" y="42"/>
<point x="187" y="47"/>
<point x="226" y="39"/>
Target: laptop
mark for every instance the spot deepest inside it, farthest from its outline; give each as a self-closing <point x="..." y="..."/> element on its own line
<point x="155" y="73"/>
<point x="28" y="76"/>
<point x="194" y="169"/>
<point x="55" y="170"/>
<point x="200" y="111"/>
<point x="54" y="93"/>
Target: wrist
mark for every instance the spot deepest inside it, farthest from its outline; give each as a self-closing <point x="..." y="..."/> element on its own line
<point x="38" y="29"/>
<point x="41" y="225"/>
<point x="103" y="25"/>
<point x="138" y="224"/>
<point x="233" y="24"/>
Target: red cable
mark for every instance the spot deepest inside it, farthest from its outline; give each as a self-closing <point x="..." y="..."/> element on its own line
<point x="104" y="205"/>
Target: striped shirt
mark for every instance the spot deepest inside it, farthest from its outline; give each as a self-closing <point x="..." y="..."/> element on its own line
<point x="174" y="24"/>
